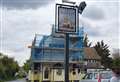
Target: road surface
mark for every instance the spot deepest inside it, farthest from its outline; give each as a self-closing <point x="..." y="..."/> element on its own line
<point x="19" y="80"/>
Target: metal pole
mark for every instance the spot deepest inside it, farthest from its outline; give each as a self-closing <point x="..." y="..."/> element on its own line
<point x="66" y="65"/>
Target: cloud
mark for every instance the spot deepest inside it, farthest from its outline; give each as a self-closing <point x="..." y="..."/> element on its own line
<point x="22" y="22"/>
<point x="24" y="4"/>
<point x="98" y="10"/>
<point x="19" y="28"/>
<point x="104" y="23"/>
<point x="94" y="13"/>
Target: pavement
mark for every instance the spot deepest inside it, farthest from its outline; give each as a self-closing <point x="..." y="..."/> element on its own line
<point x="19" y="80"/>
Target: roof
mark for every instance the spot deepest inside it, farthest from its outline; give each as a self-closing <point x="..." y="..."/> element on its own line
<point x="90" y="53"/>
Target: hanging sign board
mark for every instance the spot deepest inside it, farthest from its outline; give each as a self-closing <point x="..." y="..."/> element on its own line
<point x="66" y="18"/>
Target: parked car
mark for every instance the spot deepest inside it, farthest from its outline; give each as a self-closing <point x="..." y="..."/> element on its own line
<point x="93" y="77"/>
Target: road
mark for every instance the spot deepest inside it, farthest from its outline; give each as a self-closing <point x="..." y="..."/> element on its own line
<point x="19" y="80"/>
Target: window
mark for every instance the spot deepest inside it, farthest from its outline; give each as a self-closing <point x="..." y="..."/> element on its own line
<point x="35" y="72"/>
<point x="59" y="72"/>
<point x="46" y="73"/>
<point x="36" y="66"/>
<point x="76" y="80"/>
<point x="78" y="70"/>
<point x="36" y="80"/>
<point x="74" y="73"/>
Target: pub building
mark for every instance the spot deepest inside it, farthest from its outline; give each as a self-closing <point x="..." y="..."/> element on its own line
<point x="47" y="57"/>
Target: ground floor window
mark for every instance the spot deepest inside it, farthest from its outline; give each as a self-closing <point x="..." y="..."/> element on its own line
<point x="46" y="73"/>
<point x="36" y="80"/>
<point x="59" y="72"/>
<point x="76" y="81"/>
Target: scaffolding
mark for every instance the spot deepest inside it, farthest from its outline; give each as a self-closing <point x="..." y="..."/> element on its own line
<point x="50" y="48"/>
<point x="47" y="54"/>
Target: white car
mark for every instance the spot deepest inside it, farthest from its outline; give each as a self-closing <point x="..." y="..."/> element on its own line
<point x="93" y="77"/>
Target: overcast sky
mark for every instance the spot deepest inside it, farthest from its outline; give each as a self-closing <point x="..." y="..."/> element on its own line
<point x="20" y="20"/>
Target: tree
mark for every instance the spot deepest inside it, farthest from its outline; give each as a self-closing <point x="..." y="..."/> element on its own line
<point x="86" y="41"/>
<point x="26" y="66"/>
<point x="104" y="52"/>
<point x="8" y="67"/>
<point x="116" y="63"/>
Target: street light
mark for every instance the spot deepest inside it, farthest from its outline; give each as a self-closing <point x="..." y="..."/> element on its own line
<point x="81" y="7"/>
<point x="78" y="9"/>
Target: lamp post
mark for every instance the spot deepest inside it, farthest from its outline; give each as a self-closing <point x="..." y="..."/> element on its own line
<point x="66" y="65"/>
<point x="80" y="9"/>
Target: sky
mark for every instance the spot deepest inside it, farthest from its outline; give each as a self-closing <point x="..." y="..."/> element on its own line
<point x="20" y="20"/>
